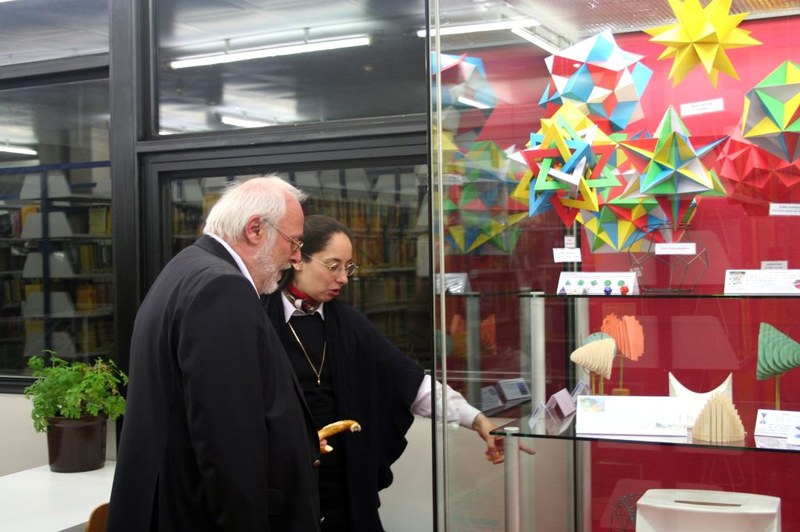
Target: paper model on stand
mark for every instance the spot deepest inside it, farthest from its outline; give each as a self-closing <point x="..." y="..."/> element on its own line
<point x="701" y="37"/>
<point x="777" y="354"/>
<point x="628" y="335"/>
<point x="771" y="116"/>
<point x="718" y="422"/>
<point x="600" y="78"/>
<point x="697" y="400"/>
<point x="596" y="356"/>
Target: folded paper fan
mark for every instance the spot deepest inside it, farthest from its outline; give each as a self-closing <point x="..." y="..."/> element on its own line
<point x="596" y="355"/>
<point x="777" y="353"/>
<point x="718" y="422"/>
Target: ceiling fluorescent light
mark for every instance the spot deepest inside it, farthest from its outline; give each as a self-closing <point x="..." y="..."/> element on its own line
<point x="472" y="103"/>
<point x="272" y="51"/>
<point x="536" y="40"/>
<point x="18" y="150"/>
<point x="243" y="122"/>
<point x="483" y="26"/>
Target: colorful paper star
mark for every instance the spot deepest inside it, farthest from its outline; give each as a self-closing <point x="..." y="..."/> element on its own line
<point x="671" y="165"/>
<point x="701" y="37"/>
<point x="601" y="79"/>
<point x="771" y="117"/>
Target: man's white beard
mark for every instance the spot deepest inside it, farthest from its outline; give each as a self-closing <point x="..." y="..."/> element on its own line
<point x="266" y="264"/>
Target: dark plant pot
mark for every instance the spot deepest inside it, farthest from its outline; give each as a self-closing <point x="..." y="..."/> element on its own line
<point x="75" y="445"/>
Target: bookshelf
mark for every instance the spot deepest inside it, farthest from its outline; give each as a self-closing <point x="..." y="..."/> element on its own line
<point x="55" y="263"/>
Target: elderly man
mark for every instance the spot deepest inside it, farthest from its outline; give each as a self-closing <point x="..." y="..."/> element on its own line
<point x="217" y="435"/>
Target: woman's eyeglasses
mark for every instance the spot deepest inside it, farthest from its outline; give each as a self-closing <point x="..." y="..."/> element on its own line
<point x="336" y="267"/>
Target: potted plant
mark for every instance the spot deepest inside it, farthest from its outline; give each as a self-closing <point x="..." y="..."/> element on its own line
<point x="71" y="402"/>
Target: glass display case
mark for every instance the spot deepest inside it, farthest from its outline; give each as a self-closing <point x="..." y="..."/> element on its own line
<point x="616" y="278"/>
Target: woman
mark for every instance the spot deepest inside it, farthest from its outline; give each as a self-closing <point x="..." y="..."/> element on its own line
<point x="349" y="370"/>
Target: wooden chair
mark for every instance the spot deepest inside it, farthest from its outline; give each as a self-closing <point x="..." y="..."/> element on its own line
<point x="97" y="519"/>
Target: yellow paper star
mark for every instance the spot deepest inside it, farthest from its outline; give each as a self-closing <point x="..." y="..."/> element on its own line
<point x="700" y="37"/>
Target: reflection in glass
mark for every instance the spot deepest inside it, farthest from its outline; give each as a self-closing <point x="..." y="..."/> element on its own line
<point x="386" y="210"/>
<point x="256" y="67"/>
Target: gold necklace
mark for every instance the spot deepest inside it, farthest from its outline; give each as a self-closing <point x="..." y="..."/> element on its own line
<point x="308" y="358"/>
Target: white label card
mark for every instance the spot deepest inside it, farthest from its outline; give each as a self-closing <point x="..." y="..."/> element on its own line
<point x="764" y="282"/>
<point x="569" y="241"/>
<point x="631" y="415"/>
<point x="777" y="423"/>
<point x="774" y="264"/>
<point x="702" y="107"/>
<point x="784" y="209"/>
<point x="566" y="255"/>
<point x="676" y="248"/>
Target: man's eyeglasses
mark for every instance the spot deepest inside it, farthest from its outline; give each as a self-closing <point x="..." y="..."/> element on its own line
<point x="335" y="267"/>
<point x="296" y="244"/>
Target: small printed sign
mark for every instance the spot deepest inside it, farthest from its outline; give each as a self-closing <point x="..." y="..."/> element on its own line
<point x="700" y="108"/>
<point x="566" y="255"/>
<point x="679" y="248"/>
<point x="777" y="424"/>
<point x="784" y="209"/>
<point x="569" y="241"/>
<point x="774" y="264"/>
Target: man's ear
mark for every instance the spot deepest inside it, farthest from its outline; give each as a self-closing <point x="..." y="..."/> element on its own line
<point x="254" y="229"/>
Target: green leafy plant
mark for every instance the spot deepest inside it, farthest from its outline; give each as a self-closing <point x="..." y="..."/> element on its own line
<point x="74" y="389"/>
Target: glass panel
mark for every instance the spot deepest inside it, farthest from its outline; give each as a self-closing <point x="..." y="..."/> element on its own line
<point x="38" y="30"/>
<point x="382" y="74"/>
<point x="55" y="224"/>
<point x="594" y="181"/>
<point x="386" y="210"/>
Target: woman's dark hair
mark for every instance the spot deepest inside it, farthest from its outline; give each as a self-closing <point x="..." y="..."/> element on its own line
<point x="318" y="229"/>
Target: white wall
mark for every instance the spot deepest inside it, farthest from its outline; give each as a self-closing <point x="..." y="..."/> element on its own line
<point x="20" y="446"/>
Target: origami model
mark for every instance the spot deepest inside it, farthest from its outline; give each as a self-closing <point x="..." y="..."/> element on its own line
<point x="777" y="354"/>
<point x="718" y="422"/>
<point x="628" y="335"/>
<point x="701" y="36"/>
<point x="570" y="157"/>
<point x="467" y="97"/>
<point x="600" y="78"/>
<point x="698" y="400"/>
<point x="671" y="164"/>
<point x="596" y="356"/>
<point x="771" y="117"/>
<point x="756" y="177"/>
<point x="478" y="203"/>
